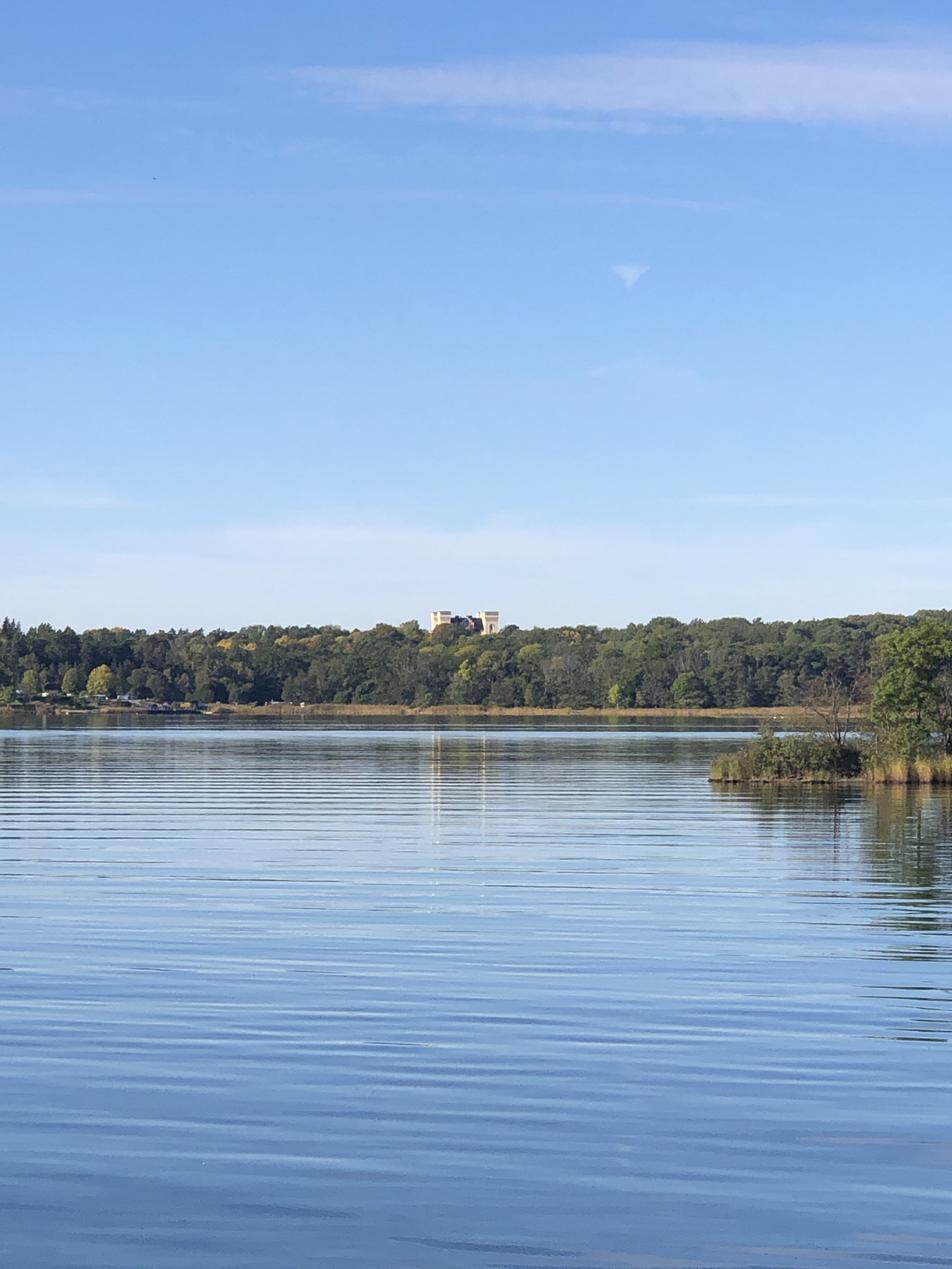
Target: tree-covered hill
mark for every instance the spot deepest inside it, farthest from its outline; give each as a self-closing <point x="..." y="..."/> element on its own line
<point x="728" y="662"/>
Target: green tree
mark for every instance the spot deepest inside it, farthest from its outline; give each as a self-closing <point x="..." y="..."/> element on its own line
<point x="30" y="683"/>
<point x="689" y="691"/>
<point x="101" y="681"/>
<point x="72" y="681"/>
<point x="912" y="699"/>
<point x="209" y="689"/>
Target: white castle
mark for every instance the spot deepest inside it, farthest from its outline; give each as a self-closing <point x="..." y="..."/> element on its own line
<point x="483" y="623"/>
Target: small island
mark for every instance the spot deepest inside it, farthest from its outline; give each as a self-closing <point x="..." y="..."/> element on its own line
<point x="908" y="737"/>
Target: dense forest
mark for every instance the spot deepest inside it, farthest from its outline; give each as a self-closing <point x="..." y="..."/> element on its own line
<point x="663" y="662"/>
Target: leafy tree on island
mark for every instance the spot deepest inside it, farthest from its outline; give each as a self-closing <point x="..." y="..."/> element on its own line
<point x="912" y="700"/>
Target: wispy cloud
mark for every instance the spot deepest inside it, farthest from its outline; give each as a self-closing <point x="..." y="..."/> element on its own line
<point x="756" y="501"/>
<point x="159" y="193"/>
<point x="29" y="99"/>
<point x="155" y="191"/>
<point x="843" y="503"/>
<point x="563" y="123"/>
<point x="630" y="273"/>
<point x="844" y="83"/>
<point x="56" y="496"/>
<point x="39" y="196"/>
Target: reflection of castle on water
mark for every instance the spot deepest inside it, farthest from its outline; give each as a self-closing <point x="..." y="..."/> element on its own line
<point x="460" y="768"/>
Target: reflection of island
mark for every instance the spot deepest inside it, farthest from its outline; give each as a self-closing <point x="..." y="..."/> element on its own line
<point x="901" y="835"/>
<point x="885" y="855"/>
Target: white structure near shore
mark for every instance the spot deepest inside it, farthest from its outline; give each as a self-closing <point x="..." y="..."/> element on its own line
<point x="484" y="622"/>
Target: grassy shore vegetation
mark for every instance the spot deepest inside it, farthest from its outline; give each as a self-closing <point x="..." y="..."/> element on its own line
<point x="910" y="741"/>
<point x="806" y="758"/>
<point x="730" y="663"/>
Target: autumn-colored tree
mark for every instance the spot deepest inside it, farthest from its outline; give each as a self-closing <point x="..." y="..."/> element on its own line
<point x="101" y="681"/>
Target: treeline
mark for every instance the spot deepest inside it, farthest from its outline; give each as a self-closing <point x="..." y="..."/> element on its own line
<point x="730" y="662"/>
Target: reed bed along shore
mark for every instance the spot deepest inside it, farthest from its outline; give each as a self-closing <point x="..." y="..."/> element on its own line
<point x="781" y="715"/>
<point x="935" y="769"/>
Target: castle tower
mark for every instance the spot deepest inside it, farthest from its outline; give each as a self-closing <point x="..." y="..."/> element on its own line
<point x="441" y="618"/>
<point x="490" y="622"/>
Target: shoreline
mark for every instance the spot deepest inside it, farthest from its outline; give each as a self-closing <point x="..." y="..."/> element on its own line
<point x="757" y="713"/>
<point x="780" y="712"/>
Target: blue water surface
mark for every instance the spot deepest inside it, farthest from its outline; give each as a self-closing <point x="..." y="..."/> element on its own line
<point x="493" y="998"/>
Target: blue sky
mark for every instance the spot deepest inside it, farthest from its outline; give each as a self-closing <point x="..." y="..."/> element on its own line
<point x="327" y="311"/>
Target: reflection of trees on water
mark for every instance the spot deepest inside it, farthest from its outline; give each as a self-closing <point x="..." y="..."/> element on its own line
<point x="887" y="852"/>
<point x="900" y="835"/>
<point x="820" y="816"/>
<point x="910" y="841"/>
<point x="910" y="846"/>
<point x="903" y="832"/>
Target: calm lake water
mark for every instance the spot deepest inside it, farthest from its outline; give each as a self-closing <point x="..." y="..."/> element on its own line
<point x="501" y="998"/>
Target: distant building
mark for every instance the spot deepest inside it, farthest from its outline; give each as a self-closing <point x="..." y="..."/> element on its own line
<point x="483" y="623"/>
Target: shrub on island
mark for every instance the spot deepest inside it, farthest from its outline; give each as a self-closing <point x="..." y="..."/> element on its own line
<point x="807" y="758"/>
